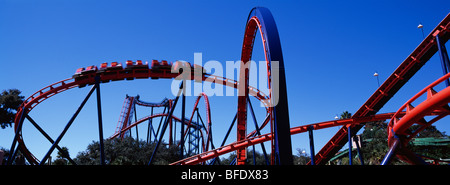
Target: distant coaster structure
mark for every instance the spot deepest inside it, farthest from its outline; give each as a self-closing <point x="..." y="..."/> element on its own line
<point x="200" y="149"/>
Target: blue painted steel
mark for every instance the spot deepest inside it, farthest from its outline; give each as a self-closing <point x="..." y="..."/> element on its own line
<point x="360" y="155"/>
<point x="197" y="131"/>
<point x="253" y="135"/>
<point x="254" y="155"/>
<point x="160" y="123"/>
<point x="311" y="144"/>
<point x="166" y="122"/>
<point x="194" y="136"/>
<point x="100" y="121"/>
<point x="135" y="120"/>
<point x="445" y="63"/>
<point x="16" y="136"/>
<point x="225" y="139"/>
<point x="282" y="139"/>
<point x="350" y="159"/>
<point x="183" y="109"/>
<point x="67" y="126"/>
<point x="150" y="129"/>
<point x="50" y="139"/>
<point x="258" y="132"/>
<point x="391" y="152"/>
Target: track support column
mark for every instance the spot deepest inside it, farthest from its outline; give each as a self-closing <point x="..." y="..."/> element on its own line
<point x="358" y="148"/>
<point x="166" y="122"/>
<point x="100" y="121"/>
<point x="12" y="151"/>
<point x="311" y="143"/>
<point x="350" y="157"/>
<point x="391" y="152"/>
<point x="67" y="126"/>
<point x="444" y="58"/>
<point x="183" y="110"/>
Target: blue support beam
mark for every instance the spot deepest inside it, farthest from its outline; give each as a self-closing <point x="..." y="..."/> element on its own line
<point x="350" y="157"/>
<point x="258" y="132"/>
<point x="166" y="122"/>
<point x="152" y="130"/>
<point x="66" y="155"/>
<point x="391" y="152"/>
<point x="67" y="126"/>
<point x="311" y="144"/>
<point x="16" y="136"/>
<point x="360" y="155"/>
<point x="225" y="138"/>
<point x="100" y="121"/>
<point x="444" y="58"/>
<point x="183" y="109"/>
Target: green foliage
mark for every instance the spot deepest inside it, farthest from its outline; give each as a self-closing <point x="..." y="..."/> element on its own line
<point x="260" y="160"/>
<point x="375" y="142"/>
<point x="436" y="152"/>
<point x="127" y="152"/>
<point x="60" y="159"/>
<point x="301" y="158"/>
<point x="345" y="115"/>
<point x="9" y="103"/>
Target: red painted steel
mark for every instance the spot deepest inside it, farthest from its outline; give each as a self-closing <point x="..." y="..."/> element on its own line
<point x="382" y="95"/>
<point x="400" y="126"/>
<point x="84" y="77"/>
<point x="208" y="121"/>
<point x="196" y="159"/>
<point x="435" y="105"/>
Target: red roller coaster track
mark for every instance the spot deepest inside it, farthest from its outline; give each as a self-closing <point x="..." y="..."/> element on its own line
<point x="435" y="106"/>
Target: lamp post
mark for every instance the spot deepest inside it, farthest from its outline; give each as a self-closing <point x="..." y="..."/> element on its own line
<point x="378" y="80"/>
<point x="420" y="26"/>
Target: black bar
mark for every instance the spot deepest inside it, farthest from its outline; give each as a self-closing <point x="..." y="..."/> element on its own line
<point x="183" y="109"/>
<point x="150" y="128"/>
<point x="358" y="148"/>
<point x="67" y="126"/>
<point x="100" y="121"/>
<point x="135" y="120"/>
<point x="166" y="122"/>
<point x="445" y="63"/>
<point x="50" y="139"/>
<point x="258" y="131"/>
<point x="311" y="144"/>
<point x="160" y="123"/>
<point x="12" y="151"/>
<point x="349" y="131"/>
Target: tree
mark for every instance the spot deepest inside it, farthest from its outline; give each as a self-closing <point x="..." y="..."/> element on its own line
<point x="127" y="151"/>
<point x="433" y="151"/>
<point x="60" y="159"/>
<point x="375" y="143"/>
<point x="260" y="159"/>
<point x="374" y="139"/>
<point x="9" y="103"/>
<point x="227" y="161"/>
<point x="301" y="158"/>
<point x="430" y="131"/>
<point x="345" y="115"/>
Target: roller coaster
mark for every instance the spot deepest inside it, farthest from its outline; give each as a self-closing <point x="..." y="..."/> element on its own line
<point x="195" y="141"/>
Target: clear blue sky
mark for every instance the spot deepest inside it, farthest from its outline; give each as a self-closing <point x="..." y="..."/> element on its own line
<point x="331" y="50"/>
